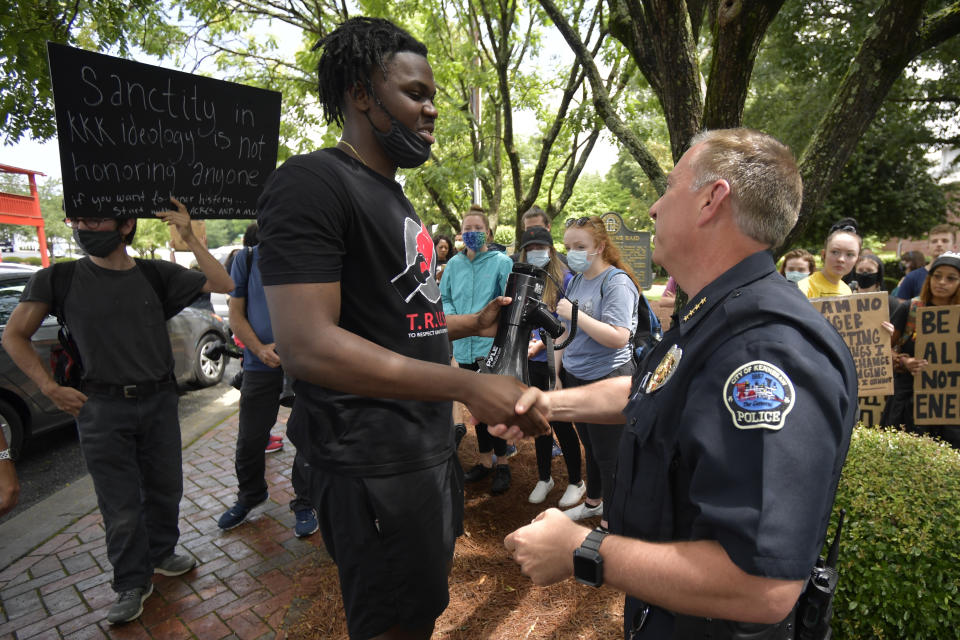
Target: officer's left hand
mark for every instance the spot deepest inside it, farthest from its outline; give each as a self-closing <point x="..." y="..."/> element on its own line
<point x="544" y="548"/>
<point x="179" y="219"/>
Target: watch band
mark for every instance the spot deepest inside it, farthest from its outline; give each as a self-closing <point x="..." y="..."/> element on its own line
<point x="5" y="455"/>
<point x="594" y="538"/>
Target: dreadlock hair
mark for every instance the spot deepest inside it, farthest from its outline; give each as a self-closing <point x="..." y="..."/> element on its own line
<point x="350" y="52"/>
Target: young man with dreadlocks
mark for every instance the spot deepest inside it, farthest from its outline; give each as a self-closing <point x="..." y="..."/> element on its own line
<point x="348" y="270"/>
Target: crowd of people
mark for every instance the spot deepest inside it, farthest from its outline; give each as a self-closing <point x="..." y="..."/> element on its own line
<point x="849" y="267"/>
<point x="711" y="462"/>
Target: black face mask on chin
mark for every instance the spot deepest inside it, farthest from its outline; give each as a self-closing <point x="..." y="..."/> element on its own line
<point x="403" y="145"/>
<point x="97" y="243"/>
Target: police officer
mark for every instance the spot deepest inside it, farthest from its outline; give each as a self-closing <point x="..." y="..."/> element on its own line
<point x="737" y="424"/>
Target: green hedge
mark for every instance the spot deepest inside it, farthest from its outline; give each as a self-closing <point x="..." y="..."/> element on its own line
<point x="900" y="549"/>
<point x="33" y="260"/>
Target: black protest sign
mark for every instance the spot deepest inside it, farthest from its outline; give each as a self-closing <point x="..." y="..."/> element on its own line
<point x="936" y="388"/>
<point x="634" y="247"/>
<point x="132" y="134"/>
<point x="858" y="319"/>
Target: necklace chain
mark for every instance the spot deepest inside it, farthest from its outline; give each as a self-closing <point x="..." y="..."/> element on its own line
<point x="355" y="152"/>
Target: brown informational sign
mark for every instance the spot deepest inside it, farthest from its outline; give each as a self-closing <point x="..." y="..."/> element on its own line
<point x="858" y="319"/>
<point x="870" y="409"/>
<point x="936" y="389"/>
<point x="634" y="247"/>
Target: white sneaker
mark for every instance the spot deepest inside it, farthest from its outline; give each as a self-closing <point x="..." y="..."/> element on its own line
<point x="539" y="493"/>
<point x="583" y="511"/>
<point x="573" y="495"/>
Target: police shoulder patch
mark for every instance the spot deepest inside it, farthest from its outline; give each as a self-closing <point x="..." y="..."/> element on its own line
<point x="758" y="395"/>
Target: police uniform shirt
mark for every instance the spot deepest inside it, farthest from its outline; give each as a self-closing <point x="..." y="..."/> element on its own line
<point x="737" y="428"/>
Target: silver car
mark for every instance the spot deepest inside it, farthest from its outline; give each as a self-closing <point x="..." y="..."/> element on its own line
<point x="25" y="412"/>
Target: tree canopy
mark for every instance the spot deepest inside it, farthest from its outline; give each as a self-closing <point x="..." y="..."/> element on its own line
<point x="698" y="58"/>
<point x="859" y="90"/>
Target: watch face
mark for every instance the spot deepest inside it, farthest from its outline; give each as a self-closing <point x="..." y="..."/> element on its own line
<point x="588" y="567"/>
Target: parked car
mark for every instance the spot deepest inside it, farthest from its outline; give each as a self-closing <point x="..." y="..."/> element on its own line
<point x="25" y="412"/>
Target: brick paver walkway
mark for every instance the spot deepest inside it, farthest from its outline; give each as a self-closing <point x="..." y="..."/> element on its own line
<point x="242" y="588"/>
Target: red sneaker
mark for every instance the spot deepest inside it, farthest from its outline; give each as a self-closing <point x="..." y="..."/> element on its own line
<point x="273" y="446"/>
<point x="276" y="438"/>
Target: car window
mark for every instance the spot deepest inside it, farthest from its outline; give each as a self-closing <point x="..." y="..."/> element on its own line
<point x="10" y="290"/>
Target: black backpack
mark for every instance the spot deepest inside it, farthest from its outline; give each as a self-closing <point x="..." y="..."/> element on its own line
<point x="65" y="360"/>
<point x="648" y="331"/>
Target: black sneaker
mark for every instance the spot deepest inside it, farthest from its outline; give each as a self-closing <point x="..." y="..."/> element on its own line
<point x="476" y="473"/>
<point x="237" y="514"/>
<point x="501" y="480"/>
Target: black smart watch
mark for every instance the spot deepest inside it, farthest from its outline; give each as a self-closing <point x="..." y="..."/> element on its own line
<point x="587" y="561"/>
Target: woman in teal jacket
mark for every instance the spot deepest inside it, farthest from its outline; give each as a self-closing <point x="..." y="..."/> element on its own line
<point x="472" y="278"/>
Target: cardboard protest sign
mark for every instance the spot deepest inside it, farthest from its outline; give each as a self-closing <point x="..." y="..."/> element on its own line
<point x="132" y="134"/>
<point x="936" y="389"/>
<point x="858" y="319"/>
<point x="871" y="408"/>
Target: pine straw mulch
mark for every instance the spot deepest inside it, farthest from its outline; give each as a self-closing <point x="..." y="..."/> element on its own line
<point x="489" y="597"/>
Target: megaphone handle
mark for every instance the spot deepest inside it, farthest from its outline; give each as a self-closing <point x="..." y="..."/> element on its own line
<point x="551" y="361"/>
<point x="573" y="328"/>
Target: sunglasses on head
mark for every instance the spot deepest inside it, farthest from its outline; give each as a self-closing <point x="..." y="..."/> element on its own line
<point x="580" y="222"/>
<point x="848" y="228"/>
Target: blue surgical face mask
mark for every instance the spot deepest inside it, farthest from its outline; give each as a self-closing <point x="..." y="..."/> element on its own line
<point x="474" y="240"/>
<point x="579" y="260"/>
<point x="795" y="276"/>
<point x="538" y="257"/>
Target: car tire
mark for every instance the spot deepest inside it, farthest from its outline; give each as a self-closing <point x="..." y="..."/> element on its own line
<point x="208" y="371"/>
<point x="12" y="428"/>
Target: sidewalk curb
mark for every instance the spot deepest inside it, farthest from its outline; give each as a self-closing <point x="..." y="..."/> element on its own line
<point x="42" y="521"/>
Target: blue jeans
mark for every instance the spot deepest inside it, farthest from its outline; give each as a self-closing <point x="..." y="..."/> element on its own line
<point x="132" y="450"/>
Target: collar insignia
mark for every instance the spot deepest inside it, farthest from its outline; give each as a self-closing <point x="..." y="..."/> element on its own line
<point x="696" y="308"/>
<point x="664" y="370"/>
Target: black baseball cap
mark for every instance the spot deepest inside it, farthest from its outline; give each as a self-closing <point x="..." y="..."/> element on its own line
<point x="536" y="235"/>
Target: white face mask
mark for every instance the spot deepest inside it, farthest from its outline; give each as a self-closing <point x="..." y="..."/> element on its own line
<point x="795" y="276"/>
<point x="579" y="260"/>
<point x="538" y="257"/>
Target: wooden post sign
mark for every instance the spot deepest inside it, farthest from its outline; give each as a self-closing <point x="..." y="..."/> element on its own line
<point x="858" y="319"/>
<point x="936" y="389"/>
<point x="132" y="134"/>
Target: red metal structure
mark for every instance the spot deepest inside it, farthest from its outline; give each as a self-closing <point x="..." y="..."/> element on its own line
<point x="24" y="210"/>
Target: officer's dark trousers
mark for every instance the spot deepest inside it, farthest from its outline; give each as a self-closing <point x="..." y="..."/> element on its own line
<point x="259" y="405"/>
<point x="132" y="450"/>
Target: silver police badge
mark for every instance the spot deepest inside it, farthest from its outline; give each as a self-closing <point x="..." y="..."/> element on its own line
<point x="758" y="395"/>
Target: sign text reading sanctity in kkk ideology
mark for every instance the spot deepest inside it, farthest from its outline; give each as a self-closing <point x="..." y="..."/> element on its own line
<point x="132" y="134"/>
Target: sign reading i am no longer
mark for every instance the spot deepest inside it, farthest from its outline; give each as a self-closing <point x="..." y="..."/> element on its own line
<point x="132" y="134"/>
<point x="859" y="319"/>
<point x="936" y="389"/>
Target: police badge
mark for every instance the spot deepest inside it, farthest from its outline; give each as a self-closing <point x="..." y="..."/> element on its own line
<point x="664" y="370"/>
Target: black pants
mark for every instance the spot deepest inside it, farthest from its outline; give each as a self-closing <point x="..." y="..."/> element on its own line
<point x="566" y="436"/>
<point x="132" y="450"/>
<point x="486" y="442"/>
<point x="259" y="406"/>
<point x="601" y="442"/>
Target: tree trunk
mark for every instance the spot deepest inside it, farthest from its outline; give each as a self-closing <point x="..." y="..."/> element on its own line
<point x="900" y="33"/>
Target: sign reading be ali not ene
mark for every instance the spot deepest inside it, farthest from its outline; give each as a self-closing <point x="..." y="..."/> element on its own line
<point x="936" y="388"/>
<point x="132" y="134"/>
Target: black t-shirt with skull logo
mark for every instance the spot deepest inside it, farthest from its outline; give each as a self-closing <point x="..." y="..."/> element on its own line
<point x="325" y="217"/>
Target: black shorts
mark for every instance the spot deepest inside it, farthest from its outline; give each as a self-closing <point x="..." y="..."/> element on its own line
<point x="392" y="538"/>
